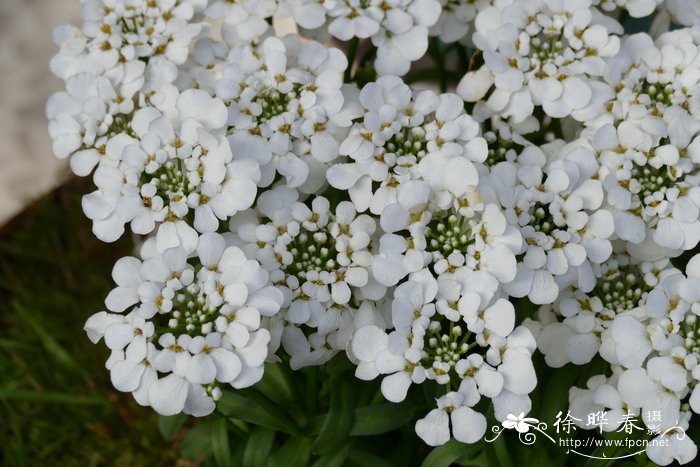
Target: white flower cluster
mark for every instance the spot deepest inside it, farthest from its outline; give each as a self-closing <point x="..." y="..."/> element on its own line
<point x="642" y="320"/>
<point x="285" y="108"/>
<point x="299" y="202"/>
<point x="182" y="323"/>
<point x="398" y="28"/>
<point x="320" y="261"/>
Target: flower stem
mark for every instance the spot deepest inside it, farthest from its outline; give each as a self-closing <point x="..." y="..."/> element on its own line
<point x="352" y="51"/>
<point x="439" y="60"/>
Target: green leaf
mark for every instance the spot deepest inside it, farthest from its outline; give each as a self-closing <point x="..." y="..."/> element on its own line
<point x="338" y="364"/>
<point x="338" y="421"/>
<point x="258" y="447"/>
<point x="50" y="397"/>
<point x="315" y="424"/>
<point x="235" y="405"/>
<point x="378" y="419"/>
<point x="220" y="447"/>
<point x="197" y="443"/>
<point x="295" y="453"/>
<point x="448" y="453"/>
<point x="275" y="384"/>
<point x="170" y="425"/>
<point x="335" y="459"/>
<point x="51" y="345"/>
<point x="361" y="458"/>
<point x="481" y="460"/>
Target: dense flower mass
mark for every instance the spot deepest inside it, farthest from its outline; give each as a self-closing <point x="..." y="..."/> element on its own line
<point x="536" y="190"/>
<point x="182" y="323"/>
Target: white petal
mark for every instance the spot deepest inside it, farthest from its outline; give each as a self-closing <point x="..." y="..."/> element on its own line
<point x="395" y="387"/>
<point x="468" y="426"/>
<point x="126" y="375"/>
<point x="201" y="369"/>
<point x="168" y="395"/>
<point x="434" y="428"/>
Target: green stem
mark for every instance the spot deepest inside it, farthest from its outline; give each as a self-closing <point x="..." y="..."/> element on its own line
<point x="312" y="389"/>
<point x="352" y="51"/>
<point x="439" y="60"/>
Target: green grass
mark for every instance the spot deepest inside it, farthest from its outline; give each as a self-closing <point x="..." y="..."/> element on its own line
<point x="57" y="406"/>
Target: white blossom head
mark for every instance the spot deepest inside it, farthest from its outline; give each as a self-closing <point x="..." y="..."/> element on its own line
<point x="180" y="325"/>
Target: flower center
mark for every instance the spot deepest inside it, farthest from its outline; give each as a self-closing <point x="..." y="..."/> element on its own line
<point x="658" y="92"/>
<point x="121" y="123"/>
<point x="498" y="148"/>
<point x="652" y="180"/>
<point x="448" y="234"/>
<point x="621" y="288"/>
<point x="445" y="345"/>
<point x="689" y="330"/>
<point x="192" y="312"/>
<point x="541" y="219"/>
<point x="273" y="103"/>
<point x="407" y="142"/>
<point x="313" y="251"/>
<point x="170" y="180"/>
<point x="546" y="47"/>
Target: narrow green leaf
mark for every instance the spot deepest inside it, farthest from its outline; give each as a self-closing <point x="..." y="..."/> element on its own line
<point x="359" y="458"/>
<point x="49" y="397"/>
<point x="220" y="447"/>
<point x="338" y="364"/>
<point x="378" y="419"/>
<point x="275" y="384"/>
<point x="258" y="447"/>
<point x="335" y="459"/>
<point x="500" y="448"/>
<point x="197" y="444"/>
<point x="52" y="347"/>
<point x="235" y="405"/>
<point x="295" y="453"/>
<point x="315" y="424"/>
<point x="338" y="421"/>
<point x="448" y="453"/>
<point x="481" y="460"/>
<point x="170" y="425"/>
<point x="15" y="344"/>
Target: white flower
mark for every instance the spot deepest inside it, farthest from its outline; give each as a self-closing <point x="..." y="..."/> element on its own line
<point x="600" y="396"/>
<point x="454" y="416"/>
<point x="439" y="327"/>
<point x="196" y="326"/>
<point x="83" y="118"/>
<point x="403" y="137"/>
<point x="457" y="19"/>
<point x="120" y="34"/>
<point x="687" y="14"/>
<point x="556" y="208"/>
<point x="649" y="83"/>
<point x="650" y="187"/>
<point x="673" y="445"/>
<point x="285" y="107"/>
<point x="657" y="389"/>
<point x="541" y="53"/>
<point x="320" y="261"/>
<point x="398" y="28"/>
<point x="623" y="286"/>
<point x="204" y="67"/>
<point x="636" y="8"/>
<point x="248" y="18"/>
<point x="163" y="174"/>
